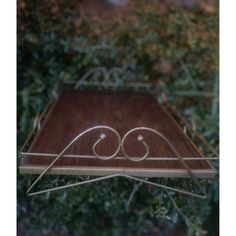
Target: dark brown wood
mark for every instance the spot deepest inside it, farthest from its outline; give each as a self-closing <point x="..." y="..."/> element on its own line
<point x="76" y="111"/>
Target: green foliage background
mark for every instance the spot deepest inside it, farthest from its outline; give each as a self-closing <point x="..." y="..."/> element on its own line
<point x="175" y="48"/>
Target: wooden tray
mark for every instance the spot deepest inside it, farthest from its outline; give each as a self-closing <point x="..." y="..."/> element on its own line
<point x="76" y="111"/>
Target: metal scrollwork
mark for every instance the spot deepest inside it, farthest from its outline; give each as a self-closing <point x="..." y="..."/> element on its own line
<point x="120" y="146"/>
<point x="140" y="138"/>
<point x="102" y="136"/>
<point x="106" y="73"/>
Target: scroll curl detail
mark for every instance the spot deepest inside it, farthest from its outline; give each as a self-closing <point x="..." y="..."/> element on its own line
<point x="100" y="70"/>
<point x="120" y="146"/>
<point x="102" y="136"/>
<point x="140" y="138"/>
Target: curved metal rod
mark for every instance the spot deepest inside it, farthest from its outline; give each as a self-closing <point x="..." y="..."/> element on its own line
<point x="140" y="138"/>
<point x="103" y="70"/>
<point x="73" y="141"/>
<point x="100" y="69"/>
<point x="102" y="137"/>
<point x="120" y="145"/>
<point x="113" y="71"/>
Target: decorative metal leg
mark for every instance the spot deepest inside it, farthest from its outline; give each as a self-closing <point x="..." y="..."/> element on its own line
<point x="121" y="146"/>
<point x="164" y="187"/>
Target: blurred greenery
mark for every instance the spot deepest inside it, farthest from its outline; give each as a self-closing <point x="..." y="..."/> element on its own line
<point x="173" y="47"/>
